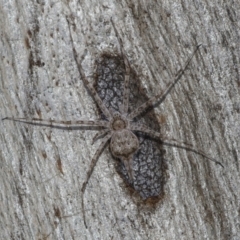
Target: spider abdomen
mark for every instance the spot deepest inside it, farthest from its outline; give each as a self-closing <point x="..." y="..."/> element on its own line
<point x="124" y="144"/>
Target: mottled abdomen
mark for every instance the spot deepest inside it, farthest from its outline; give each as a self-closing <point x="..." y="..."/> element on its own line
<point x="124" y="144"/>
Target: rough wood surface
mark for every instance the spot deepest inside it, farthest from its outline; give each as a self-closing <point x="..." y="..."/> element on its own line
<point x="42" y="169"/>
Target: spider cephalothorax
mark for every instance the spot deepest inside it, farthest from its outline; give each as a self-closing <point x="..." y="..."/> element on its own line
<point x="118" y="122"/>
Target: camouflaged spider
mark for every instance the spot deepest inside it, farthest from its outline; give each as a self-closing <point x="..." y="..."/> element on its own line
<point x="119" y="126"/>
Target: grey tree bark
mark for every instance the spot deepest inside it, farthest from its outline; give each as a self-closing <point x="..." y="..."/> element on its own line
<point x="42" y="169"/>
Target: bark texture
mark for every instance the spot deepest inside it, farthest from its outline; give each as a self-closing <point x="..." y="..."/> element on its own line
<point x="42" y="169"/>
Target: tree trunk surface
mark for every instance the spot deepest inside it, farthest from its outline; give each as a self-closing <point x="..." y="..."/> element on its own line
<point x="43" y="168"/>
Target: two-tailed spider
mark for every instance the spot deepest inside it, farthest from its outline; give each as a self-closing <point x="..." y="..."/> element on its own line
<point x="121" y="129"/>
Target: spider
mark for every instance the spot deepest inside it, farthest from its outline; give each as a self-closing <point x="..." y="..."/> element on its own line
<point x="118" y="126"/>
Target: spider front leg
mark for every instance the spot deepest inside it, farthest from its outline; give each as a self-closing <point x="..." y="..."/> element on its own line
<point x="87" y="84"/>
<point x="127" y="73"/>
<point x="162" y="95"/>
<point x="171" y="141"/>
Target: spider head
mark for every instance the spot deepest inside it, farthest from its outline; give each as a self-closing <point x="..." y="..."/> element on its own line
<point x="118" y="122"/>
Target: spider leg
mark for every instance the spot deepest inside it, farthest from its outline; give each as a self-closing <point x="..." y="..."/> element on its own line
<point x="162" y="95"/>
<point x="90" y="171"/>
<point x="87" y="84"/>
<point x="49" y="122"/>
<point x="99" y="134"/>
<point x="171" y="141"/>
<point x="127" y="73"/>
